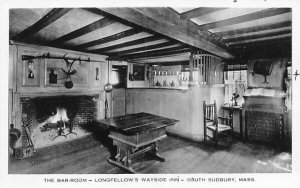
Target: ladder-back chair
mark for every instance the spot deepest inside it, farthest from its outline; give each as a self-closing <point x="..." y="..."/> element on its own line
<point x="212" y="124"/>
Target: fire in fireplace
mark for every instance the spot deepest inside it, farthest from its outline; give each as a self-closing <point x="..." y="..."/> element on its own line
<point x="58" y="118"/>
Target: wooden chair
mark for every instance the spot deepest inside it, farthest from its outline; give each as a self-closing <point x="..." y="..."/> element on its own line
<point x="225" y="128"/>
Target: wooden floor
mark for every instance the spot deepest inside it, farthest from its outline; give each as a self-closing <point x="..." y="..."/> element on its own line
<point x="182" y="157"/>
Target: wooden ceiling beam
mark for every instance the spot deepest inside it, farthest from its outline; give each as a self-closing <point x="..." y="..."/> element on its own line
<point x="144" y="48"/>
<point x="169" y="25"/>
<point x="245" y="18"/>
<point x="110" y="38"/>
<point x="49" y="18"/>
<point x="255" y="29"/>
<point x="130" y="43"/>
<point x="257" y="36"/>
<point x="197" y="12"/>
<point x="82" y="31"/>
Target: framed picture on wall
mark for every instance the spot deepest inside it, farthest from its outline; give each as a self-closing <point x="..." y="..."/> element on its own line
<point x="138" y="72"/>
<point x="31" y="73"/>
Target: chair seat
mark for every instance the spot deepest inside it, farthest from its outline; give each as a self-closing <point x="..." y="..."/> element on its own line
<point x="221" y="127"/>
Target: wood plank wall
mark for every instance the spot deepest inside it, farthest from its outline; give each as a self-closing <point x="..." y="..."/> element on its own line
<point x="183" y="105"/>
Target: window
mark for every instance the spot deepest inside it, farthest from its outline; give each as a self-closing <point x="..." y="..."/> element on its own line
<point x="235" y="82"/>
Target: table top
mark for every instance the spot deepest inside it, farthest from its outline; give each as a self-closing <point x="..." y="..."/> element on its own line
<point x="138" y="123"/>
<point x="226" y="106"/>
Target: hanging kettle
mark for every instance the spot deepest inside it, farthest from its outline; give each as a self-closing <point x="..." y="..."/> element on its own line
<point x="68" y="83"/>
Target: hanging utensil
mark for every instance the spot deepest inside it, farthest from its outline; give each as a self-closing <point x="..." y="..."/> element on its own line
<point x="108" y="87"/>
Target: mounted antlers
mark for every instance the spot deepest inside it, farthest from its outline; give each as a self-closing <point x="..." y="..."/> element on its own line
<point x="69" y="66"/>
<point x="69" y="83"/>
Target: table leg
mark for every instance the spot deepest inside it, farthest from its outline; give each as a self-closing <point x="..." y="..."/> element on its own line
<point x="123" y="158"/>
<point x="154" y="153"/>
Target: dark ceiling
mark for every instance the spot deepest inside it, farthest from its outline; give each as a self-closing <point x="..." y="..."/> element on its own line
<point x="149" y="33"/>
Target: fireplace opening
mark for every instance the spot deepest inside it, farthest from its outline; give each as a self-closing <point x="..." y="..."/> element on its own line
<point x="56" y="119"/>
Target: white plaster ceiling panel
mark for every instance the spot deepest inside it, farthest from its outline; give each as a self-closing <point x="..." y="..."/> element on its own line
<point x="259" y="32"/>
<point x="71" y="21"/>
<point x="224" y="14"/>
<point x="268" y="20"/>
<point x="21" y="19"/>
<point x="125" y="39"/>
<point x="99" y="33"/>
<point x="261" y="39"/>
<point x="182" y="10"/>
<point x="140" y="45"/>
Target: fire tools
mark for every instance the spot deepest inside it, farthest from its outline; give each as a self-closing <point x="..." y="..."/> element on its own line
<point x="24" y="151"/>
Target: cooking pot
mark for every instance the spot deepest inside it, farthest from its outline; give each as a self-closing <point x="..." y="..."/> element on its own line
<point x="69" y="84"/>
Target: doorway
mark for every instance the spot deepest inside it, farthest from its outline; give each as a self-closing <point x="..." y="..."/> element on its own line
<point x="119" y="82"/>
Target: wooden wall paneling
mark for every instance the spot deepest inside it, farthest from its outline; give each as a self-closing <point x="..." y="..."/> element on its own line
<point x="118" y="102"/>
<point x="162" y="105"/>
<point x="137" y="100"/>
<point x="185" y="106"/>
<point x="149" y="101"/>
<point x="156" y="101"/>
<point x="196" y="113"/>
<point x="171" y="101"/>
<point x="134" y="102"/>
<point x="127" y="100"/>
<point x="79" y="83"/>
<point x="143" y="100"/>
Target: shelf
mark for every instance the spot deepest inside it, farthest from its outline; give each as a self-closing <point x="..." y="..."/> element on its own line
<point x="161" y="87"/>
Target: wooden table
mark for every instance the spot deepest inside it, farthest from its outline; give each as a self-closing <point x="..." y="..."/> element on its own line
<point x="135" y="134"/>
<point x="239" y="109"/>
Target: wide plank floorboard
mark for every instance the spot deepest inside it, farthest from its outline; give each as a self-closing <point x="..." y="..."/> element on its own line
<point x="182" y="156"/>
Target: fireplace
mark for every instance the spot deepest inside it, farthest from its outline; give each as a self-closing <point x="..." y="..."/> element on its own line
<point x="44" y="115"/>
